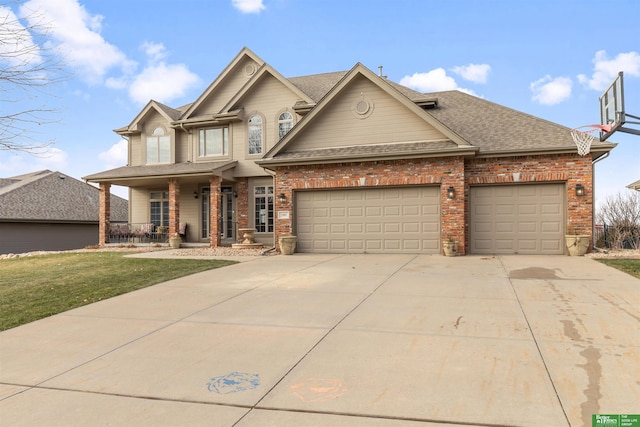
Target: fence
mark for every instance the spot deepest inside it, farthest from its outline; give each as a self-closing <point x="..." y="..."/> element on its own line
<point x="617" y="237"/>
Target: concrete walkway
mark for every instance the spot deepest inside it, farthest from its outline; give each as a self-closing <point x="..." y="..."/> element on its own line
<point x="339" y="340"/>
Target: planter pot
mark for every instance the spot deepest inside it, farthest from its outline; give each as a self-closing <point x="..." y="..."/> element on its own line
<point x="175" y="242"/>
<point x="577" y="244"/>
<point x="287" y="244"/>
<point x="450" y="248"/>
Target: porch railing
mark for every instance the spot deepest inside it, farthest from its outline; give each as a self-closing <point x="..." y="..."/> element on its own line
<point x="138" y="233"/>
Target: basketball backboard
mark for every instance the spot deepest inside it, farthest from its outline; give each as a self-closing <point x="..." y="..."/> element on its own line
<point x="612" y="111"/>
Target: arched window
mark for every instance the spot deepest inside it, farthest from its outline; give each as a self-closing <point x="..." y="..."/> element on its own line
<point x="158" y="147"/>
<point x="255" y="135"/>
<point x="285" y="123"/>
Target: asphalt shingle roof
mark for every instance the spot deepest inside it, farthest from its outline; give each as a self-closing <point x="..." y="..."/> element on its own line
<point x="160" y="170"/>
<point x="47" y="196"/>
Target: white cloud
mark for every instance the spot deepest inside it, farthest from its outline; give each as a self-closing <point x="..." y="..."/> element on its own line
<point x="551" y="91"/>
<point x="476" y="73"/>
<point x="248" y="6"/>
<point x="605" y="69"/>
<point x="161" y="82"/>
<point x="154" y="51"/>
<point x="76" y="35"/>
<point x="432" y="81"/>
<point x="116" y="156"/>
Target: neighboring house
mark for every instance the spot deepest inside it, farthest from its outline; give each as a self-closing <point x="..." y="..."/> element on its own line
<point x="46" y="211"/>
<point x="351" y="162"/>
<point x="634" y="185"/>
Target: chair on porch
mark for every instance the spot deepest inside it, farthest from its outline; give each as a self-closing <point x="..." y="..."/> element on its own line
<point x="182" y="231"/>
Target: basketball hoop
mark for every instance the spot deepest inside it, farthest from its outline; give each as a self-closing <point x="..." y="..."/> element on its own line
<point x="583" y="136"/>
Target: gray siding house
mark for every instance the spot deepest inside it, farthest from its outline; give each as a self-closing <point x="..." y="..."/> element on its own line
<point x="48" y="210"/>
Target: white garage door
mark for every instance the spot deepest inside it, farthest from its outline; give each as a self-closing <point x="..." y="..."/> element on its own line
<point x="517" y="219"/>
<point x="373" y="220"/>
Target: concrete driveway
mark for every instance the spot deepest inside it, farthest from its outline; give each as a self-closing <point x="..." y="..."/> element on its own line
<point x="339" y="340"/>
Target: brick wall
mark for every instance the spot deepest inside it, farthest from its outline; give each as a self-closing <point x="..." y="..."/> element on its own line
<point x="174" y="206"/>
<point x="242" y="207"/>
<point x="446" y="172"/>
<point x="104" y="221"/>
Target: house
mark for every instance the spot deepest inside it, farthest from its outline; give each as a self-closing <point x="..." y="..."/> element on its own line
<point x="634" y="185"/>
<point x="351" y="162"/>
<point x="50" y="211"/>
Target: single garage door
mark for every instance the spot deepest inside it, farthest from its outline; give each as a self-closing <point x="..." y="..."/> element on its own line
<point x="517" y="219"/>
<point x="373" y="220"/>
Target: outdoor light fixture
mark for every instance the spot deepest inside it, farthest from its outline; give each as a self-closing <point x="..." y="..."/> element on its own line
<point x="580" y="190"/>
<point x="451" y="192"/>
<point x="195" y="194"/>
<point x="282" y="198"/>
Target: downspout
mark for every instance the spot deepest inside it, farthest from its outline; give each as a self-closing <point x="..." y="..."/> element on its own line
<point x="593" y="189"/>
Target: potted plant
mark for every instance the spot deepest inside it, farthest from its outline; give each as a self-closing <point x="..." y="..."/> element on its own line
<point x="175" y="240"/>
<point x="577" y="243"/>
<point x="450" y="246"/>
<point x="287" y="244"/>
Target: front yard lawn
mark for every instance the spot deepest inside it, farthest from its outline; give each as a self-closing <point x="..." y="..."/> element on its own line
<point x="35" y="287"/>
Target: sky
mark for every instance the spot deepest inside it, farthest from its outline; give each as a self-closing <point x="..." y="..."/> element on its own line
<point x="548" y="58"/>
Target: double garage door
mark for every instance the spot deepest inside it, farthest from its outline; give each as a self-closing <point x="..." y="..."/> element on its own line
<point x="372" y="220"/>
<point x="504" y="219"/>
<point x="517" y="219"/>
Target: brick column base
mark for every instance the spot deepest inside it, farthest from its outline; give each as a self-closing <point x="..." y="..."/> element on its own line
<point x="104" y="221"/>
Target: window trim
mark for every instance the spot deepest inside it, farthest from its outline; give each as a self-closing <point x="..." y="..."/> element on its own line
<point x="225" y="144"/>
<point x="279" y="121"/>
<point x="269" y="193"/>
<point x="262" y="135"/>
<point x="157" y="137"/>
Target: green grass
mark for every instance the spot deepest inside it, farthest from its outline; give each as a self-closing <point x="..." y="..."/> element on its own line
<point x="35" y="287"/>
<point x="631" y="266"/>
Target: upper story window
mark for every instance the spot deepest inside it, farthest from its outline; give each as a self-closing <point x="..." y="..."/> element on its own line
<point x="214" y="142"/>
<point x="255" y="135"/>
<point x="285" y="123"/>
<point x="158" y="147"/>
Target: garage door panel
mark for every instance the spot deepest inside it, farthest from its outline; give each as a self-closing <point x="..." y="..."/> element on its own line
<point x="522" y="218"/>
<point x="391" y="220"/>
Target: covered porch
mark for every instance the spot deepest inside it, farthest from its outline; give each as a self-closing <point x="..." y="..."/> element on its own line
<point x="199" y="202"/>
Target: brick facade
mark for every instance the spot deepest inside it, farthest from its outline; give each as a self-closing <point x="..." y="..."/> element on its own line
<point x="105" y="213"/>
<point x="215" y="183"/>
<point x="446" y="172"/>
<point x="242" y="206"/>
<point x="174" y="206"/>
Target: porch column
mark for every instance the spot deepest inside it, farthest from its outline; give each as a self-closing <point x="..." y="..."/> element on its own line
<point x="104" y="220"/>
<point x="174" y="206"/>
<point x="215" y="193"/>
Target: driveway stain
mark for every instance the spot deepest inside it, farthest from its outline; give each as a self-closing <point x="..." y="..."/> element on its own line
<point x="535" y="273"/>
<point x="592" y="392"/>
<point x="570" y="330"/>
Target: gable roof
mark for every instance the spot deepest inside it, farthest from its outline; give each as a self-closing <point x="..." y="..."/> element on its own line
<point x="274" y="156"/>
<point x="47" y="196"/>
<point x="170" y="114"/>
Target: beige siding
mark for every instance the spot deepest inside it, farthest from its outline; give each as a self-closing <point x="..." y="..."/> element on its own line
<point x="388" y="122"/>
<point x="190" y="211"/>
<point x="182" y="145"/>
<point x="139" y="206"/>
<point x="226" y="89"/>
<point x="136" y="150"/>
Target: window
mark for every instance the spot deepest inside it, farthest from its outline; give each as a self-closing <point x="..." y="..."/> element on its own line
<point x="285" y="123"/>
<point x="158" y="147"/>
<point x="255" y="135"/>
<point x="263" y="197"/>
<point x="159" y="208"/>
<point x="214" y="142"/>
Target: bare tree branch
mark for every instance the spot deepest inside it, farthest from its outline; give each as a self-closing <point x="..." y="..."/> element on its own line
<point x="29" y="68"/>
